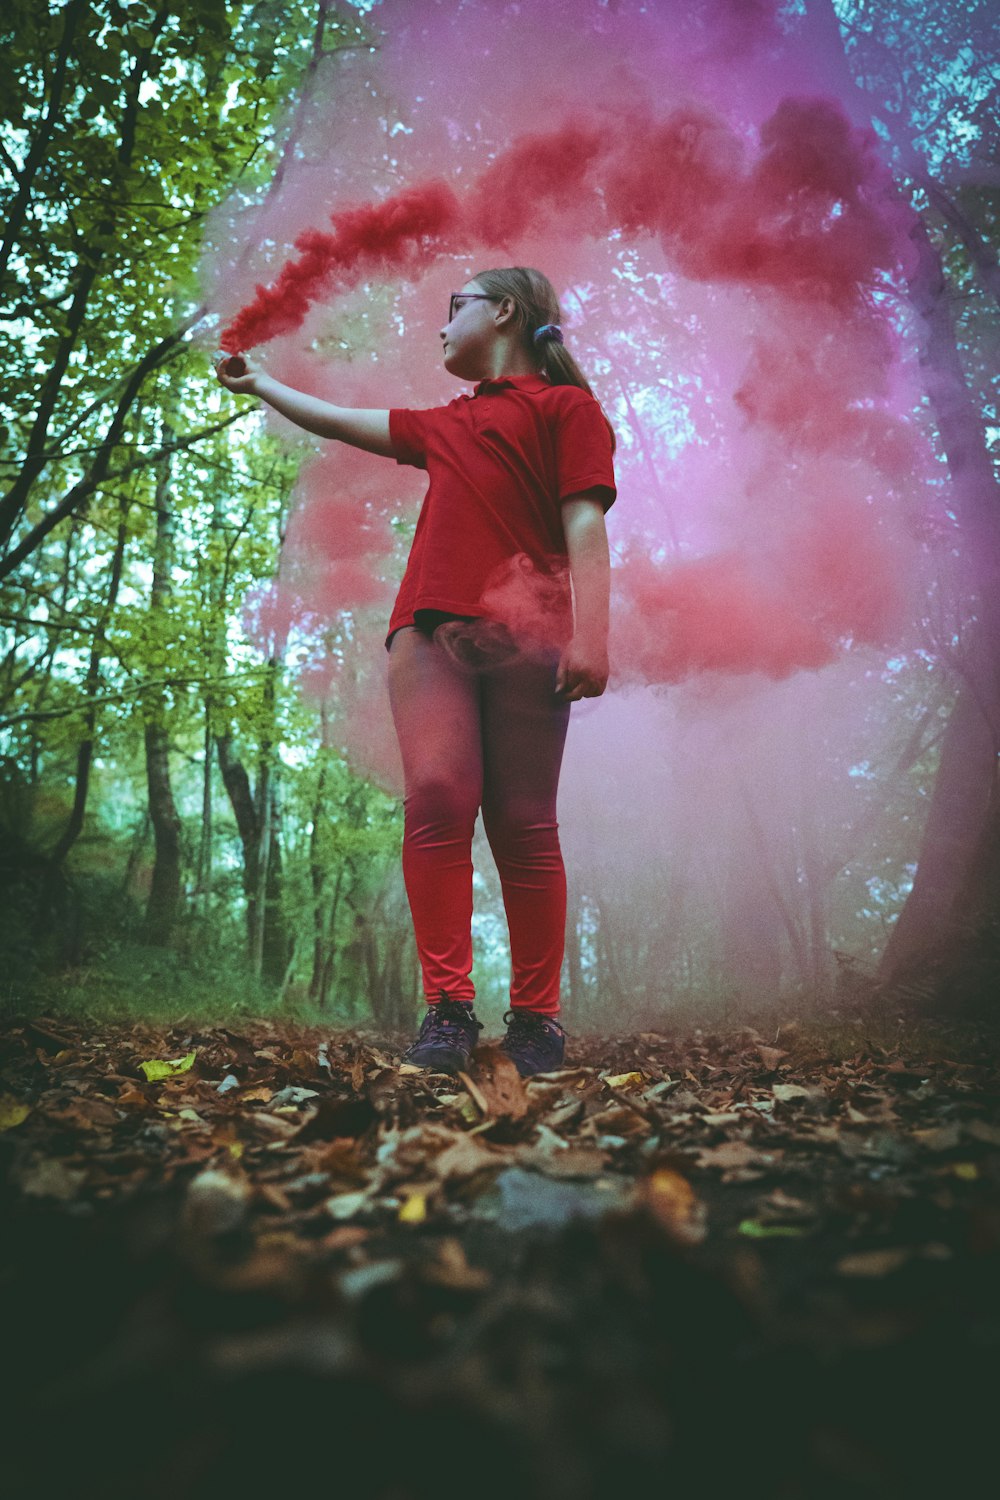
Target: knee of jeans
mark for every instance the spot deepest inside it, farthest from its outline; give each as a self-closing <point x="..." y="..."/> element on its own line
<point x="441" y="802"/>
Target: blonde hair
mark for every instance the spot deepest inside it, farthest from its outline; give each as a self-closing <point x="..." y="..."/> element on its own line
<point x="535" y="304"/>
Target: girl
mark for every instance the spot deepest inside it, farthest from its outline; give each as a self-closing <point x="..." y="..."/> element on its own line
<point x="488" y="643"/>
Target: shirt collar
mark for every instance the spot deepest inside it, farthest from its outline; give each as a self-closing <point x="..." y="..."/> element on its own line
<point x="531" y="383"/>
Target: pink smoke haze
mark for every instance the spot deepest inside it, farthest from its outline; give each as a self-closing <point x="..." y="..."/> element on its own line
<point x="726" y="241"/>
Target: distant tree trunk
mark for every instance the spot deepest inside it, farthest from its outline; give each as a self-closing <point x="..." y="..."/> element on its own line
<point x="85" y="749"/>
<point x="325" y="950"/>
<point x="165" y="889"/>
<point x="237" y="785"/>
<point x="317" y="878"/>
<point x="959" y="839"/>
<point x="271" y="942"/>
<point x="204" y="879"/>
<point x="256" y="821"/>
<point x="751" y="920"/>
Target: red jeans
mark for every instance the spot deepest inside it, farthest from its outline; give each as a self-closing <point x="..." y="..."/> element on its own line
<point x="480" y="735"/>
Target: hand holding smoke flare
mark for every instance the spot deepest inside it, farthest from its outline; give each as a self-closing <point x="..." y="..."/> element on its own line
<point x="809" y="227"/>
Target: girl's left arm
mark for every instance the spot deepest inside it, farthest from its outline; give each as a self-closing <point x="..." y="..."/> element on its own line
<point x="583" y="669"/>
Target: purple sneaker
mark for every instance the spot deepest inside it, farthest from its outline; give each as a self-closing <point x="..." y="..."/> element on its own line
<point x="535" y="1042"/>
<point x="446" y="1038"/>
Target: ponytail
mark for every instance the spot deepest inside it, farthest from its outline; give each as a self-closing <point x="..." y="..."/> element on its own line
<point x="536" y="311"/>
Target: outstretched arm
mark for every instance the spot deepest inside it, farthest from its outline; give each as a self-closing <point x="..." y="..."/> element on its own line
<point x="583" y="670"/>
<point x="362" y="429"/>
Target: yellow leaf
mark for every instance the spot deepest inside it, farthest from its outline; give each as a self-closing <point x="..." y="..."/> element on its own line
<point x="414" y="1210"/>
<point x="156" y="1070"/>
<point x="965" y="1171"/>
<point x="12" y="1111"/>
<point x="236" y="1149"/>
<point x="623" y="1080"/>
<point x="673" y="1202"/>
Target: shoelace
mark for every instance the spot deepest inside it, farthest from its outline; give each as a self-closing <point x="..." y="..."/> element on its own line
<point x="449" y="1015"/>
<point x="531" y="1027"/>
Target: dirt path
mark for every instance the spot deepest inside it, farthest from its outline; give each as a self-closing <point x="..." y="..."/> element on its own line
<point x="764" y="1265"/>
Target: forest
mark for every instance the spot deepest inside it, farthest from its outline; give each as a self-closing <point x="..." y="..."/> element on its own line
<point x="179" y="810"/>
<point x="766" y="1180"/>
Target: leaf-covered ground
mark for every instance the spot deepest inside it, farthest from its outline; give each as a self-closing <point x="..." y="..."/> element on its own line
<point x="234" y="1260"/>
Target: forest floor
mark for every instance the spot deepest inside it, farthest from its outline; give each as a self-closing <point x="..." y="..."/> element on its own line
<point x="236" y="1259"/>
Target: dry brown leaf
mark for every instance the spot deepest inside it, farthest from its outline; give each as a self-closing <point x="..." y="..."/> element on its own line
<point x="451" y="1269"/>
<point x="872" y="1263"/>
<point x="467" y="1155"/>
<point x="981" y="1130"/>
<point x="734" y="1154"/>
<point x="51" y="1178"/>
<point x="940" y="1137"/>
<point x="674" y="1204"/>
<point x="571" y="1161"/>
<point x="771" y="1057"/>
<point x="500" y="1084"/>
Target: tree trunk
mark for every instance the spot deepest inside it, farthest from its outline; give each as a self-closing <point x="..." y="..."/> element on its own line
<point x="85" y="750"/>
<point x="165" y="889"/>
<point x="955" y="821"/>
<point x="933" y="928"/>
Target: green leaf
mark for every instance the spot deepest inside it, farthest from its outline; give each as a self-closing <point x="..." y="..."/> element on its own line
<point x="156" y="1069"/>
<point x="12" y="1111"/>
<point x="755" y="1230"/>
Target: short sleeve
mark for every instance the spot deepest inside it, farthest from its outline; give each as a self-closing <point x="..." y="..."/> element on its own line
<point x="408" y="435"/>
<point x="584" y="451"/>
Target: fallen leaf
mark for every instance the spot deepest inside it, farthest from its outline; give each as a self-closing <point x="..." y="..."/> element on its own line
<point x="981" y="1130"/>
<point x="51" y="1178"/>
<point x="414" y="1209"/>
<point x="872" y="1263"/>
<point x="623" y="1080"/>
<point x="467" y="1156"/>
<point x="346" y="1205"/>
<point x="673" y="1202"/>
<point x="451" y="1269"/>
<point x="788" y="1091"/>
<point x="771" y="1057"/>
<point x="940" y="1137"/>
<point x="475" y="1094"/>
<point x="732" y="1154"/>
<point x="133" y="1098"/>
<point x="157" y="1069"/>
<point x="12" y="1112"/>
<point x="754" y="1229"/>
<point x="500" y="1084"/>
<point x="571" y="1161"/>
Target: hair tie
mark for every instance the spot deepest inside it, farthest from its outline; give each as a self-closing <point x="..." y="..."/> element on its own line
<point x="549" y="331"/>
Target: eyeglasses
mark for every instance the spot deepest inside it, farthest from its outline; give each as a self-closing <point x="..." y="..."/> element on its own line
<point x="459" y="299"/>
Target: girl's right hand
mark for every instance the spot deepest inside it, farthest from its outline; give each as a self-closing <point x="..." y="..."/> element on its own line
<point x="245" y="383"/>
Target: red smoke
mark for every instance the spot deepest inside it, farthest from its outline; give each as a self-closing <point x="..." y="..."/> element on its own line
<point x="810" y="226"/>
<point x="806" y="216"/>
<point x="400" y="234"/>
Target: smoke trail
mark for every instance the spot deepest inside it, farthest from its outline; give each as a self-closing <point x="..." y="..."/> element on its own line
<point x="807" y="216"/>
<point x="400" y="235"/>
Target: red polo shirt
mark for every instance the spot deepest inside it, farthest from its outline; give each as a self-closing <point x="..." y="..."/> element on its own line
<point x="489" y="538"/>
